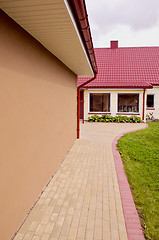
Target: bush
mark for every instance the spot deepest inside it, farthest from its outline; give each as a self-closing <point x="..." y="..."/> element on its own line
<point x="119" y="119"/>
<point x="135" y="119"/>
<point x="106" y="118"/>
<point x="94" y="118"/>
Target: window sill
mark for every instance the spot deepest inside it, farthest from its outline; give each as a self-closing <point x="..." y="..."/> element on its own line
<point x="103" y="113"/>
<point x="150" y="108"/>
<point x="128" y="113"/>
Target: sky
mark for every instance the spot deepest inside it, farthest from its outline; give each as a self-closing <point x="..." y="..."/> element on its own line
<point x="133" y="23"/>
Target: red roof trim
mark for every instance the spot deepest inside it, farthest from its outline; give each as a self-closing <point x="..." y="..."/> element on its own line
<point x="119" y="87"/>
<point x="80" y="11"/>
<point x="155" y="84"/>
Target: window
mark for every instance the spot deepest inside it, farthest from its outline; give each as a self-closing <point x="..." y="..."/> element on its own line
<point x="99" y="102"/>
<point x="150" y="101"/>
<point x="128" y="102"/>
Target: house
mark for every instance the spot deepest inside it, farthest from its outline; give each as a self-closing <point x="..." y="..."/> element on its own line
<point x="127" y="83"/>
<point x="44" y="46"/>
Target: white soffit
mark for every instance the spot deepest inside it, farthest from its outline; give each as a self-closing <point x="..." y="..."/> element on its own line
<point x="51" y="23"/>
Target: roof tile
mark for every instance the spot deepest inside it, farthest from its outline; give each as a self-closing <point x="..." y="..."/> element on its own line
<point x="132" y="67"/>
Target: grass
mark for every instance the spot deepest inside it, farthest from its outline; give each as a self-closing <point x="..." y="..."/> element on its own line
<point x="140" y="154"/>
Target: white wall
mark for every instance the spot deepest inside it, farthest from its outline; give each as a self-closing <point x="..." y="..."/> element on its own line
<point x="154" y="91"/>
<point x="113" y="100"/>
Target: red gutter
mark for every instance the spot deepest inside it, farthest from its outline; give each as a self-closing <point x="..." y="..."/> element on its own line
<point x="117" y="87"/>
<point x="80" y="11"/>
<point x="143" y="112"/>
<point x="83" y="107"/>
<point x="78" y="104"/>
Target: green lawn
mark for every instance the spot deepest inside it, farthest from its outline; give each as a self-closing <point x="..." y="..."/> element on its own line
<point x="140" y="154"/>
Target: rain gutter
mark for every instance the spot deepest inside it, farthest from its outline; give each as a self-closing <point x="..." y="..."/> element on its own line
<point x="81" y="16"/>
<point x="79" y="8"/>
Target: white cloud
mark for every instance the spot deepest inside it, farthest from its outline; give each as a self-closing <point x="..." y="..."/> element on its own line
<point x="136" y="21"/>
<point x="129" y="38"/>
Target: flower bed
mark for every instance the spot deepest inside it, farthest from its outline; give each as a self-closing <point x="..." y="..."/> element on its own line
<point x="119" y="119"/>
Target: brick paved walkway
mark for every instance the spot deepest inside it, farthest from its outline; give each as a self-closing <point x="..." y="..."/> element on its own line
<point x="82" y="201"/>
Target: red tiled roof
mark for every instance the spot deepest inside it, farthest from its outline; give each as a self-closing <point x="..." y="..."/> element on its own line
<point x="129" y="67"/>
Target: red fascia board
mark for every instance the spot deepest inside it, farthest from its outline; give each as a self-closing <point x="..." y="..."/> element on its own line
<point x="155" y="84"/>
<point x="118" y="87"/>
<point x="80" y="11"/>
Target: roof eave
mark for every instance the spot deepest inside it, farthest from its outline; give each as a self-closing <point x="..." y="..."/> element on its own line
<point x="52" y="24"/>
<point x="80" y="11"/>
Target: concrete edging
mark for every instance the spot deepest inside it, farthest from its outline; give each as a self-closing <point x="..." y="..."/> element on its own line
<point x="132" y="220"/>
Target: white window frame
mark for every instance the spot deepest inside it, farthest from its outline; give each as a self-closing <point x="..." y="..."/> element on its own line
<point x="127" y="112"/>
<point x="89" y="102"/>
<point x="153" y="100"/>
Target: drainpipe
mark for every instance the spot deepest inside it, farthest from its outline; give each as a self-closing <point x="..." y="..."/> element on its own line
<point x="83" y="108"/>
<point x="143" y="112"/>
<point x="81" y="16"/>
<point x="78" y="103"/>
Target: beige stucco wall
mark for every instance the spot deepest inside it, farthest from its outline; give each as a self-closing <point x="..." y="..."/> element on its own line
<point x="38" y="121"/>
<point x="155" y="91"/>
<point x="113" y="100"/>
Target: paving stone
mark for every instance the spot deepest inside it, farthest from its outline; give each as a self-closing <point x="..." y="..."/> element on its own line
<point x="45" y="237"/>
<point x="82" y="200"/>
<point x="28" y="235"/>
<point x="19" y="236"/>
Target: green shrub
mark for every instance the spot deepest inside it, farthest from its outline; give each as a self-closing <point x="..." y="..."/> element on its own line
<point x="135" y="119"/>
<point x="119" y="119"/>
<point x="94" y="118"/>
<point x="106" y="118"/>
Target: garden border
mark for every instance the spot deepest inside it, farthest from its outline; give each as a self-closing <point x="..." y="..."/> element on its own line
<point x="132" y="220"/>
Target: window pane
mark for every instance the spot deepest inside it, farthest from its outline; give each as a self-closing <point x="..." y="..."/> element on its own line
<point x="128" y="102"/>
<point x="150" y="100"/>
<point x="99" y="102"/>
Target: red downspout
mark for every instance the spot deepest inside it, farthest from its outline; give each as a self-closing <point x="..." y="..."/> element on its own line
<point x="83" y="108"/>
<point x="80" y="11"/>
<point x="143" y="112"/>
<point x="78" y="103"/>
<point x="78" y="113"/>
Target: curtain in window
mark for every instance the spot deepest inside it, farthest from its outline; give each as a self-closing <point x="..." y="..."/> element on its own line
<point x="128" y="102"/>
<point x="99" y="102"/>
